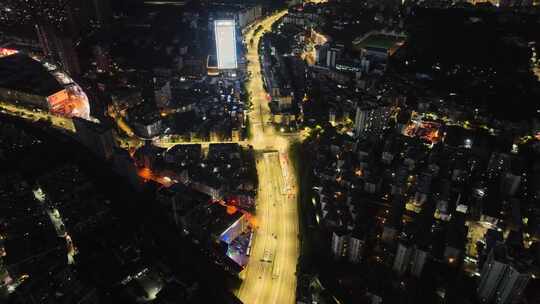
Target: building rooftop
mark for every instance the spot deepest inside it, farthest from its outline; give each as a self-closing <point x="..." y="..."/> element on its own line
<point x="211" y="219"/>
<point x="22" y="73"/>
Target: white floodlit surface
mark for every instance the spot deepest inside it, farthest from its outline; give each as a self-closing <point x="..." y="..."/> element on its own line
<point x="225" y="44"/>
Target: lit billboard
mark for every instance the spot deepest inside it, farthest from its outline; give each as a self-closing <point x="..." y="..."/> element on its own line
<point x="58" y="99"/>
<point x="225" y="32"/>
<point x="7" y="52"/>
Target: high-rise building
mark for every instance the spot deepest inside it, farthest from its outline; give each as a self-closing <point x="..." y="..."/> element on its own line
<point x="44" y="39"/>
<point x="491" y="276"/>
<point x="97" y="137"/>
<point x="402" y="259"/>
<point x="331" y="56"/>
<point x="512" y="286"/>
<point x="389" y="234"/>
<point x="103" y="58"/>
<point x="59" y="36"/>
<point x="320" y="54"/>
<point x="419" y="257"/>
<point x="364" y="65"/>
<point x="339" y="243"/>
<point x="355" y="249"/>
<point x="60" y="48"/>
<point x="82" y="15"/>
<point x="162" y="92"/>
<point x="68" y="55"/>
<point x="102" y="12"/>
<point x="515" y="3"/>
<point x="386" y="3"/>
<point x="371" y="119"/>
<point x="501" y="282"/>
<point x="124" y="166"/>
<point x="361" y="121"/>
<point x="248" y="15"/>
<point x="423" y="186"/>
<point x="510" y="183"/>
<point x="498" y="164"/>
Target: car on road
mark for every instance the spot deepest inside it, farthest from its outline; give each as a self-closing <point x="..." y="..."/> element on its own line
<point x="267" y="257"/>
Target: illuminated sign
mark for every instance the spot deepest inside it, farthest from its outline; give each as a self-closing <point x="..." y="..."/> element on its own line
<point x="6" y="52"/>
<point x="225" y="33"/>
<point x="58" y="99"/>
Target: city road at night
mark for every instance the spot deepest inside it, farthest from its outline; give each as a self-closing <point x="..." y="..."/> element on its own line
<point x="270" y="275"/>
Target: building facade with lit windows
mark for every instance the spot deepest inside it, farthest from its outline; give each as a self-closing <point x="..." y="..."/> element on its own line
<point x="501" y="281"/>
<point x="402" y="259"/>
<point x="371" y="119"/>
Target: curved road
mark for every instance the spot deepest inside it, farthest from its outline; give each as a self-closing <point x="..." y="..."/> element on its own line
<point x="270" y="275"/>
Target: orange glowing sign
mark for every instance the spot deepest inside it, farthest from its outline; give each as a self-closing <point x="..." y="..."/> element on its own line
<point x="6" y="52"/>
<point x="145" y="173"/>
<point x="58" y="98"/>
<point x="252" y="220"/>
<point x="231" y="210"/>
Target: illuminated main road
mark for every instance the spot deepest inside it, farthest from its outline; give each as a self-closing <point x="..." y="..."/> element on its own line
<point x="56" y="121"/>
<point x="270" y="275"/>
